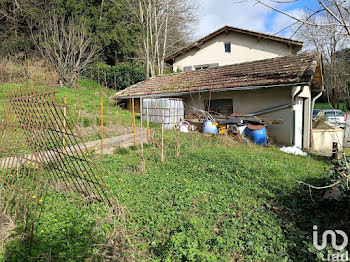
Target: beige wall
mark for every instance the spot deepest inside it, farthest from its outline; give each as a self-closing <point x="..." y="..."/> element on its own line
<point x="244" y="48"/>
<point x="322" y="140"/>
<point x="256" y="100"/>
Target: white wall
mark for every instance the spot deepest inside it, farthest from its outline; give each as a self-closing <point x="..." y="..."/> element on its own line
<point x="322" y="140"/>
<point x="244" y="48"/>
<point x="306" y="96"/>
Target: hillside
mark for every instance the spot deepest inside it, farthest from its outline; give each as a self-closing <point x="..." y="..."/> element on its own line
<point x="218" y="201"/>
<point x="84" y="107"/>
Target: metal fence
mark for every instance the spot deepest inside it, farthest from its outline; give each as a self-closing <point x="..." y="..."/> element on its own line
<point x="37" y="148"/>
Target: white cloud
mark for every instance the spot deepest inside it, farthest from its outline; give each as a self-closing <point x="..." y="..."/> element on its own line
<point x="218" y="13"/>
<point x="246" y="14"/>
<point x="281" y="22"/>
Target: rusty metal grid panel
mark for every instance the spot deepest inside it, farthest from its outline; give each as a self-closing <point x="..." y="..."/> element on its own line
<point x="38" y="147"/>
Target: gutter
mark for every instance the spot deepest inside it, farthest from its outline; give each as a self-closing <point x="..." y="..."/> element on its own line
<point x="215" y="91"/>
<point x="298" y="93"/>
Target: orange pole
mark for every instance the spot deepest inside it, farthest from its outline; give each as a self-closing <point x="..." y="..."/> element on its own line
<point x="162" y="147"/>
<point x="148" y="135"/>
<point x="64" y="122"/>
<point x="133" y="118"/>
<point x="102" y="124"/>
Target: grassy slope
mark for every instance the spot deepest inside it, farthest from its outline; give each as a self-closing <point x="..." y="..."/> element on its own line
<point x="84" y="106"/>
<point x="217" y="201"/>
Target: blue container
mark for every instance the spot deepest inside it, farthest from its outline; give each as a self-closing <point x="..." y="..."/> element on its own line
<point x="209" y="128"/>
<point x="257" y="136"/>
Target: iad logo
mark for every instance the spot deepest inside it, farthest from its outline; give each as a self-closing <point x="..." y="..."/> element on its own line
<point x="333" y="238"/>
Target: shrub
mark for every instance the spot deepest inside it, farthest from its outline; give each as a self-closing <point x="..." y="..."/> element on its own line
<point x="86" y="121"/>
<point x="117" y="77"/>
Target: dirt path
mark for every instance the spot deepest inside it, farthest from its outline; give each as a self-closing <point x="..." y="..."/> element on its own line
<point x="109" y="145"/>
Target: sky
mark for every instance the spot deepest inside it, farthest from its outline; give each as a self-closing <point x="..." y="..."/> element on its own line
<point x="248" y="15"/>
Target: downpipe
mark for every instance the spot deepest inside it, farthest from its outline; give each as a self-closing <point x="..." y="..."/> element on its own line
<point x="298" y="93"/>
<point x="312" y="109"/>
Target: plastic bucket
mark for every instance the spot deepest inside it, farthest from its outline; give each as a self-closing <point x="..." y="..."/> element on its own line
<point x="209" y="128"/>
<point x="241" y="129"/>
<point x="257" y="134"/>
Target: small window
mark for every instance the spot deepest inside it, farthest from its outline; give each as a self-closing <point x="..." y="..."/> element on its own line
<point x="227" y="47"/>
<point x="199" y="67"/>
<point x="222" y="106"/>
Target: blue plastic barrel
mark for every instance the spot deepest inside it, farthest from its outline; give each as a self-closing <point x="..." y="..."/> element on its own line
<point x="209" y="128"/>
<point x="257" y="136"/>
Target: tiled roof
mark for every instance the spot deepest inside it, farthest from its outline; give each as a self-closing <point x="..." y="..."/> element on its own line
<point x="287" y="70"/>
<point x="297" y="44"/>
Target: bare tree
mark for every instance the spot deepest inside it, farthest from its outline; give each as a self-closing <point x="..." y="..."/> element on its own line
<point x="339" y="10"/>
<point x="330" y="42"/>
<point x="13" y="23"/>
<point x="326" y="28"/>
<point x="163" y="23"/>
<point x="68" y="46"/>
<point x="336" y="79"/>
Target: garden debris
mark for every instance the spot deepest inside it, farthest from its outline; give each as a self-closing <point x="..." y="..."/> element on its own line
<point x="293" y="150"/>
<point x="184" y="129"/>
<point x="333" y="193"/>
<point x="233" y="125"/>
<point x="6" y="228"/>
<point x="120" y="244"/>
<point x="233" y="121"/>
<point x="196" y="115"/>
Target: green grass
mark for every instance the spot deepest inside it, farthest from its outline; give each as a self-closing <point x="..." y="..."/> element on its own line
<point x="84" y="106"/>
<point x="342" y="106"/>
<point x="218" y="201"/>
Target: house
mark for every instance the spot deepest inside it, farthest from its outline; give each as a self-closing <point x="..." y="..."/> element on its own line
<point x="231" y="45"/>
<point x="275" y="88"/>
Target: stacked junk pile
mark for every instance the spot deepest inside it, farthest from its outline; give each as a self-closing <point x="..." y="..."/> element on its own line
<point x="171" y="112"/>
<point x="235" y="125"/>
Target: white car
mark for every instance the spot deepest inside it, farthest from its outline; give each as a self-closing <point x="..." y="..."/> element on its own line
<point x="335" y="117"/>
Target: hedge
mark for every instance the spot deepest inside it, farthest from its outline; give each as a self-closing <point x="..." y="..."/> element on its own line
<point x="117" y="77"/>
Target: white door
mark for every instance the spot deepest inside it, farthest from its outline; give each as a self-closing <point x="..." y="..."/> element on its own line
<point x="298" y="122"/>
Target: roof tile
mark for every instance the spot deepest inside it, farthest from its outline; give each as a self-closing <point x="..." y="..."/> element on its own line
<point x="276" y="71"/>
